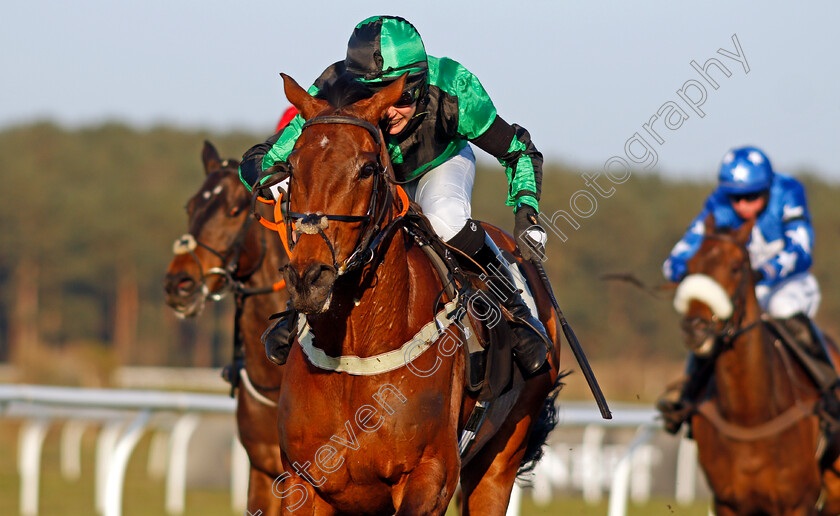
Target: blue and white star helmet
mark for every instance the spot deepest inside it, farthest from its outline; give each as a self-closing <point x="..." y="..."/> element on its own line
<point x="745" y="170"/>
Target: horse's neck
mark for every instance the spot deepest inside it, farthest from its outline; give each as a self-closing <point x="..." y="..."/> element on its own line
<point x="747" y="376"/>
<point x="367" y="314"/>
<point x="257" y="308"/>
<point x="261" y="258"/>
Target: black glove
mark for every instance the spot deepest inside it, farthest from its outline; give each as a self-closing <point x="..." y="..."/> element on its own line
<point x="530" y="236"/>
<point x="271" y="177"/>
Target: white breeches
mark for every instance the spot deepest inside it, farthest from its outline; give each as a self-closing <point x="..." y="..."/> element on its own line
<point x="798" y="293"/>
<point x="444" y="193"/>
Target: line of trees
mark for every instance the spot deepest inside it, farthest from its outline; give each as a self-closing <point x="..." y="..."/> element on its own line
<point x="89" y="216"/>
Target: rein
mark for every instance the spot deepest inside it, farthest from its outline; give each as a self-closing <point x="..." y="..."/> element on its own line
<point x="769" y="428"/>
<point x="233" y="278"/>
<point x="291" y="223"/>
<point x="234" y="281"/>
<point x="732" y="330"/>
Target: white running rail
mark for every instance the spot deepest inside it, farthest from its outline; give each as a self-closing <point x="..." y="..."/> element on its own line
<point x="124" y="415"/>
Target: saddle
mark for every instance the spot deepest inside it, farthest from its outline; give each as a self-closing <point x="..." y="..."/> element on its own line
<point x="491" y="375"/>
<point x="805" y="341"/>
<point x="483" y="321"/>
<point x="791" y="345"/>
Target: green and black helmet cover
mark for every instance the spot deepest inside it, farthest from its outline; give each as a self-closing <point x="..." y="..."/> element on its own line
<point x="382" y="48"/>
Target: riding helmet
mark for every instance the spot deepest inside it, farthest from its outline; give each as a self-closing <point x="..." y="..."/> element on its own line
<point x="745" y="170"/>
<point x="382" y="48"/>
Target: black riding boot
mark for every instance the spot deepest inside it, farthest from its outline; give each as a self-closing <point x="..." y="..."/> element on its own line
<point x="529" y="342"/>
<point x="280" y="336"/>
<point x="678" y="400"/>
<point x="823" y="372"/>
<point x="529" y="345"/>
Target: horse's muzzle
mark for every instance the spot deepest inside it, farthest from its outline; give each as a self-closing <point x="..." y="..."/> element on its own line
<point x="700" y="335"/>
<point x="311" y="290"/>
<point x="184" y="294"/>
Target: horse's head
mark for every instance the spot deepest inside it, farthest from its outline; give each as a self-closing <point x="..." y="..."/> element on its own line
<point x="712" y="296"/>
<point x="207" y="256"/>
<point x="339" y="195"/>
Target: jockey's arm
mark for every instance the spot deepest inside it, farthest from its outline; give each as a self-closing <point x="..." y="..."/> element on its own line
<point x="262" y="156"/>
<point x="676" y="266"/>
<point x="798" y="236"/>
<point x="478" y="122"/>
<point x="512" y="146"/>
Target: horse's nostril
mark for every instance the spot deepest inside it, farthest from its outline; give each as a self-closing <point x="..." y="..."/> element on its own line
<point x="312" y="274"/>
<point x="291" y="276"/>
<point x="186" y="286"/>
<point x="317" y="272"/>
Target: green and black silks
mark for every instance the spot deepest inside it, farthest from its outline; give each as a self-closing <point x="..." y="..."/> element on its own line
<point x="456" y="110"/>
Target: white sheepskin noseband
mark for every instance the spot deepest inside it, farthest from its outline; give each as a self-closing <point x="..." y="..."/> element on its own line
<point x="706" y="290"/>
<point x="184" y="244"/>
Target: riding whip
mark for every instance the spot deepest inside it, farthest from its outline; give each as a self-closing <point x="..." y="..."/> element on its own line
<point x="571" y="338"/>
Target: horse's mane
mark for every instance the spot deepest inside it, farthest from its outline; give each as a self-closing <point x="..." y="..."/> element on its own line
<point x="344" y="91"/>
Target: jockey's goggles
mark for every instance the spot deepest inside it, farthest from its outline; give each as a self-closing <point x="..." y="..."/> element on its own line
<point x="749" y="197"/>
<point x="408" y="98"/>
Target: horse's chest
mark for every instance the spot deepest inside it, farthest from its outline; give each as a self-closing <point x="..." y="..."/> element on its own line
<point x="340" y="435"/>
<point x="769" y="473"/>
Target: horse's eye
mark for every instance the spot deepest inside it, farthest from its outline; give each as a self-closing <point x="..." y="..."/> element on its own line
<point x="236" y="210"/>
<point x="367" y="170"/>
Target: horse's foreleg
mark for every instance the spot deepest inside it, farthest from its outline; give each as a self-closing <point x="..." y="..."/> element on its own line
<point x="831" y="485"/>
<point x="298" y="497"/>
<point x="724" y="510"/>
<point x="486" y="482"/>
<point x="260" y="497"/>
<point x="426" y="490"/>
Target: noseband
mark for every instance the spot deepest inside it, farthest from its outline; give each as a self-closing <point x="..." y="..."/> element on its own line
<point x="317" y="222"/>
<point x="732" y="327"/>
<point x="229" y="271"/>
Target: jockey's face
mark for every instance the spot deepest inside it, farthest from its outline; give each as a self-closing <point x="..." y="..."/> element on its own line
<point x="398" y="117"/>
<point x="748" y="207"/>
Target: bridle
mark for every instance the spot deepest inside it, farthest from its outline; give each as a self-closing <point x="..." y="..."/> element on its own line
<point x="315" y="223"/>
<point x="724" y="340"/>
<point x="233" y="278"/>
<point x="732" y="327"/>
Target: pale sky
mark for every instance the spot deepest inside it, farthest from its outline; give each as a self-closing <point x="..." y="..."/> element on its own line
<point x="582" y="77"/>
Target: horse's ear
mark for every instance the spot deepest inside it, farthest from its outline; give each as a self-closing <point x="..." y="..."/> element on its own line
<point x="709" y="224"/>
<point x="743" y="233"/>
<point x="373" y="109"/>
<point x="210" y="158"/>
<point x="308" y="105"/>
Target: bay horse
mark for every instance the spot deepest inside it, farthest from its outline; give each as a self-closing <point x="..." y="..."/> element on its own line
<point x="759" y="441"/>
<point x="367" y="425"/>
<point x="223" y="251"/>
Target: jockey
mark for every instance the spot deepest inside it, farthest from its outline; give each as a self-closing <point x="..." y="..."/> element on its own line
<point x="780" y="253"/>
<point x="428" y="133"/>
